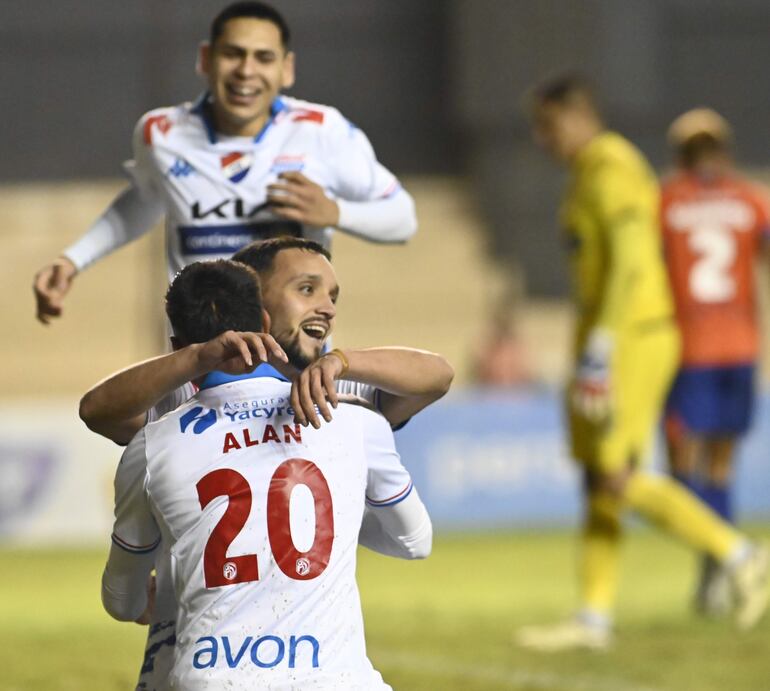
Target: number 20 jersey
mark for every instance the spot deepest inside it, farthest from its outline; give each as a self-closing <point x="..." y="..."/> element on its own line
<point x="262" y="520"/>
<point x="712" y="234"/>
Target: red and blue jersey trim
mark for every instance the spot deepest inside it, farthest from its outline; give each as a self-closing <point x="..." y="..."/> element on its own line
<point x="134" y="549"/>
<point x="395" y="499"/>
<point x="392" y="189"/>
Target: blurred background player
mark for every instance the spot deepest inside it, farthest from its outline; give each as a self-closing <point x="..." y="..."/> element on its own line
<point x="501" y="359"/>
<point x="305" y="602"/>
<point x="626" y="349"/>
<point x="241" y="163"/>
<point x="715" y="227"/>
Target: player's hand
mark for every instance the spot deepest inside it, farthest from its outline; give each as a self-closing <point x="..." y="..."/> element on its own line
<point x="314" y="386"/>
<point x="51" y="284"/>
<point x="238" y="352"/>
<point x="592" y="385"/>
<point x="300" y="199"/>
<point x="146" y="616"/>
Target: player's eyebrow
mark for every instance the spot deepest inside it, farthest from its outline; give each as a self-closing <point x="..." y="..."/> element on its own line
<point x="243" y="50"/>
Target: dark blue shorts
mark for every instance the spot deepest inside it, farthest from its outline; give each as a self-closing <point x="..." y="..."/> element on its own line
<point x="712" y="400"/>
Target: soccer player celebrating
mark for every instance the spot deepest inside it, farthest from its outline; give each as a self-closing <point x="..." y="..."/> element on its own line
<point x="715" y="227"/>
<point x="242" y="163"/>
<point x="299" y="290"/>
<point x="265" y="576"/>
<point x="626" y="349"/>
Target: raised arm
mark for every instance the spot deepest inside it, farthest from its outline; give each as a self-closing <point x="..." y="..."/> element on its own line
<point x="364" y="198"/>
<point x="117" y="406"/>
<point x="408" y="380"/>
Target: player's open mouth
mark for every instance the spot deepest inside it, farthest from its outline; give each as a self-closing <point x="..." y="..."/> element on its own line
<point x="242" y="93"/>
<point x="316" y="330"/>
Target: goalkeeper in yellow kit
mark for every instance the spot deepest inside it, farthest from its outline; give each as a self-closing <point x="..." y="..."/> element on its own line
<point x="626" y="350"/>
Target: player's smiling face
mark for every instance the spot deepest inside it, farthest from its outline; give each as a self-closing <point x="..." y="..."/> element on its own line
<point x="246" y="69"/>
<point x="300" y="294"/>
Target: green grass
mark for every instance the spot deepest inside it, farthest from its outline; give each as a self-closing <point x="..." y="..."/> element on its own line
<point x="440" y="625"/>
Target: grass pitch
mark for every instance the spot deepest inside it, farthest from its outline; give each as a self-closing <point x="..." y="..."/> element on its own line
<point x="440" y="625"/>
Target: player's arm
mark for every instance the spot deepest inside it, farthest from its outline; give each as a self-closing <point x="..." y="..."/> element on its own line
<point x="626" y="223"/>
<point x="116" y="407"/>
<point x="135" y="538"/>
<point x="396" y="522"/>
<point x="368" y="200"/>
<point x="403" y="530"/>
<point x="130" y="216"/>
<point x="407" y="380"/>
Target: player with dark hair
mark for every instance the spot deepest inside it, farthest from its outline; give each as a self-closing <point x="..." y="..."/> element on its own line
<point x="715" y="227"/>
<point x="398" y="382"/>
<point x="203" y="298"/>
<point x="242" y="163"/>
<point x="626" y="348"/>
<point x="265" y="580"/>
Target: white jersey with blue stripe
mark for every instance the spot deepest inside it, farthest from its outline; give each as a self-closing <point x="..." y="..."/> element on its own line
<point x="262" y="520"/>
<point x="214" y="188"/>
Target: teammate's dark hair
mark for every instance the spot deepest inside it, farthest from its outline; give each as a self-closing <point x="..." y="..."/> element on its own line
<point x="565" y="90"/>
<point x="254" y="10"/>
<point x="205" y="299"/>
<point x="260" y="255"/>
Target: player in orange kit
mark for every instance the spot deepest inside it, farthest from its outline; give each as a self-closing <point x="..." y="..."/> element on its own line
<point x="715" y="225"/>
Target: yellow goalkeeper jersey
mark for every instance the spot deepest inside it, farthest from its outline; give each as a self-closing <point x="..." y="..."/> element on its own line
<point x="611" y="214"/>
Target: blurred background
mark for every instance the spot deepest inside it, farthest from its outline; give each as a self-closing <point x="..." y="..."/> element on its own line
<point x="437" y="85"/>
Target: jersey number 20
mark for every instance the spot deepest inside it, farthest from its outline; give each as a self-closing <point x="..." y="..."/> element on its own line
<point x="220" y="570"/>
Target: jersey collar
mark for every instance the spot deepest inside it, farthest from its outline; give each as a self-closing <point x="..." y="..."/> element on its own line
<point x="202" y="108"/>
<point x="218" y="378"/>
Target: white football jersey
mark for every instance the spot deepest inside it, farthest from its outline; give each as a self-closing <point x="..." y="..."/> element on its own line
<point x="261" y="518"/>
<point x="214" y="188"/>
<point x="154" y="674"/>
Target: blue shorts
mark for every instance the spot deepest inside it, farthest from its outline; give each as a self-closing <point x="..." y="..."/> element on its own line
<point x="714" y="401"/>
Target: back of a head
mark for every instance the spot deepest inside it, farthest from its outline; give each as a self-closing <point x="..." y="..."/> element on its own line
<point x="253" y="10"/>
<point x="260" y="255"/>
<point x="205" y="299"/>
<point x="700" y="134"/>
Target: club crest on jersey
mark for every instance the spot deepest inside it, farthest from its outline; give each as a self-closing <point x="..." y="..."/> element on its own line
<point x="286" y="163"/>
<point x="236" y="165"/>
<point x="302" y="566"/>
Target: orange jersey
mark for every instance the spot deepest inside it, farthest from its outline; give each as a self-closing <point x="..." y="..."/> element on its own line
<point x="712" y="233"/>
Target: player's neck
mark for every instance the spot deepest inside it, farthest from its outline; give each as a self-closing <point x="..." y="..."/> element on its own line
<point x="229" y="129"/>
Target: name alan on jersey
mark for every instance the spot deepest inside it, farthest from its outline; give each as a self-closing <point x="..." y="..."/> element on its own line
<point x="245" y="437"/>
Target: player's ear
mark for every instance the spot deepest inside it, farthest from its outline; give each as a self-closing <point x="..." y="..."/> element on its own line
<point x="265" y="321"/>
<point x="287" y="77"/>
<point x="203" y="63"/>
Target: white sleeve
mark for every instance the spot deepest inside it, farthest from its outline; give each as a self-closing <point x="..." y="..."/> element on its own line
<point x="366" y="392"/>
<point x="384" y="220"/>
<point x="402" y="530"/>
<point x="171" y="401"/>
<point x="135" y="537"/>
<point x="395" y="521"/>
<point x="371" y="201"/>
<point x="130" y="216"/>
<point x="387" y="481"/>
